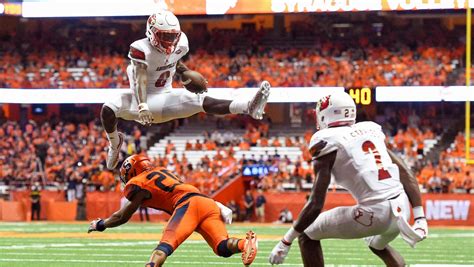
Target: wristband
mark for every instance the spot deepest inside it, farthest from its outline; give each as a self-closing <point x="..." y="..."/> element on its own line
<point x="100" y="226"/>
<point x="290" y="236"/>
<point x="418" y="212"/>
<point x="143" y="106"/>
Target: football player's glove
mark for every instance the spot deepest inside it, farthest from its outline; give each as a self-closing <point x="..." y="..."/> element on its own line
<point x="97" y="225"/>
<point x="226" y="213"/>
<point x="145" y="116"/>
<point x="421" y="227"/>
<point x="279" y="253"/>
<point x="415" y="233"/>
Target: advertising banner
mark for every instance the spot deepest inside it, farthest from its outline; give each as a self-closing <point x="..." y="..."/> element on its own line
<point x="90" y="8"/>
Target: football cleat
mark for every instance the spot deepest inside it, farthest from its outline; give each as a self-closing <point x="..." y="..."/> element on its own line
<point x="113" y="153"/>
<point x="258" y="102"/>
<point x="250" y="248"/>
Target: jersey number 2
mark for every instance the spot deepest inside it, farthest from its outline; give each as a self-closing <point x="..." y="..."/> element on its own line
<point x="162" y="175"/>
<point x="368" y="147"/>
<point x="162" y="79"/>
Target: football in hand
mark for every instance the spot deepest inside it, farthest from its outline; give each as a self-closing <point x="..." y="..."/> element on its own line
<point x="194" y="82"/>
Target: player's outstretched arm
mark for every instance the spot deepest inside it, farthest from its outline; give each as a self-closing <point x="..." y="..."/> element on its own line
<point x="410" y="185"/>
<point x="140" y="80"/>
<point x="121" y="216"/>
<point x="322" y="170"/>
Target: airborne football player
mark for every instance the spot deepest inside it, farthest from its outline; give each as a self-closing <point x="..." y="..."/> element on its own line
<point x="154" y="60"/>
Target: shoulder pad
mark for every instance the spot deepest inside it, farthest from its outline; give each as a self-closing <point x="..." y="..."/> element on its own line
<point x="137" y="53"/>
<point x="130" y="190"/>
<point x="183" y="45"/>
<point x="368" y="124"/>
<point x="322" y="143"/>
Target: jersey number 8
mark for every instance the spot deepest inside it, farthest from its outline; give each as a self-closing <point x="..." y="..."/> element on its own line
<point x="162" y="79"/>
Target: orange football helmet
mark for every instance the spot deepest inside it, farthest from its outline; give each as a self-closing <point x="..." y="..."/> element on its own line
<point x="133" y="166"/>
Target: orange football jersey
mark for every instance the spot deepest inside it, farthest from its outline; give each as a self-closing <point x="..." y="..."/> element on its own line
<point x="165" y="188"/>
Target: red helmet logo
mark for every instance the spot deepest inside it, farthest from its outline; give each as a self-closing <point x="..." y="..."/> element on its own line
<point x="324" y="103"/>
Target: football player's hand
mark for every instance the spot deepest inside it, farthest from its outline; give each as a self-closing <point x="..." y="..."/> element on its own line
<point x="421" y="227"/>
<point x="96" y="225"/>
<point x="279" y="253"/>
<point x="226" y="213"/>
<point x="145" y="116"/>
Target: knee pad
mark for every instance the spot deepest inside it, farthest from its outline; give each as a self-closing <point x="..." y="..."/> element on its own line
<point x="223" y="250"/>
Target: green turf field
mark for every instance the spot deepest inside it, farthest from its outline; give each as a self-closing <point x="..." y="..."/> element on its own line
<point x="50" y="244"/>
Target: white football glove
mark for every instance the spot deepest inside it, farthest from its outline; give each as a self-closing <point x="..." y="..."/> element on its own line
<point x="145" y="116"/>
<point x="279" y="253"/>
<point x="226" y="213"/>
<point x="421" y="227"/>
<point x="412" y="234"/>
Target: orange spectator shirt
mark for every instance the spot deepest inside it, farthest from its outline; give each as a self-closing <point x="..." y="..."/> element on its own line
<point x="165" y="188"/>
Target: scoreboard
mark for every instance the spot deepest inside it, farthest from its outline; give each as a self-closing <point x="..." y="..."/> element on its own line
<point x="10" y="7"/>
<point x="362" y="96"/>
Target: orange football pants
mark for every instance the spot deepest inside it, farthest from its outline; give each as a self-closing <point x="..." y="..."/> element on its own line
<point x="200" y="214"/>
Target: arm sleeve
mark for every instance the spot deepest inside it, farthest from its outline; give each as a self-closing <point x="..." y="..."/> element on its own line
<point x="321" y="145"/>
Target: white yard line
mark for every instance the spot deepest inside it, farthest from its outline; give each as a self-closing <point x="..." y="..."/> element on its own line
<point x="147" y="253"/>
<point x="206" y="262"/>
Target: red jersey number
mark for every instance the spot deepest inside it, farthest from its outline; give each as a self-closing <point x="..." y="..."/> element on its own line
<point x="162" y="79"/>
<point x="369" y="147"/>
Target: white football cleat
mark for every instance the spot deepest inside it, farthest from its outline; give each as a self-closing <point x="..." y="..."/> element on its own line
<point x="258" y="102"/>
<point x="113" y="153"/>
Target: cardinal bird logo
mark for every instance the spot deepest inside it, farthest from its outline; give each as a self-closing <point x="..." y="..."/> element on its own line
<point x="324" y="103"/>
<point x="152" y="19"/>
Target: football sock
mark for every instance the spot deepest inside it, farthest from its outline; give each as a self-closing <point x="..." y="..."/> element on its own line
<point x="241" y="244"/>
<point x="113" y="138"/>
<point x="238" y="106"/>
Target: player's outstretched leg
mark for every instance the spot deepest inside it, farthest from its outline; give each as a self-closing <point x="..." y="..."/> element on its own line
<point x="254" y="107"/>
<point x="109" y="122"/>
<point x="390" y="256"/>
<point x="311" y="251"/>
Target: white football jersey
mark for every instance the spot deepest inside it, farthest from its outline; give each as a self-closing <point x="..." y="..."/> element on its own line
<point x="363" y="165"/>
<point x="160" y="66"/>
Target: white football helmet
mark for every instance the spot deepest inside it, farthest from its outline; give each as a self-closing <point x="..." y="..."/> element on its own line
<point x="163" y="31"/>
<point x="335" y="109"/>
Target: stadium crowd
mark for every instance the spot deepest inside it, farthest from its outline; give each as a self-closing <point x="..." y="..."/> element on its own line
<point x="241" y="58"/>
<point x="73" y="155"/>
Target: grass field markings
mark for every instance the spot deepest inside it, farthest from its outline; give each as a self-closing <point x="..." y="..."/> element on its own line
<point x="157" y="236"/>
<point x="211" y="256"/>
<point x="175" y="261"/>
<point x="264" y="245"/>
